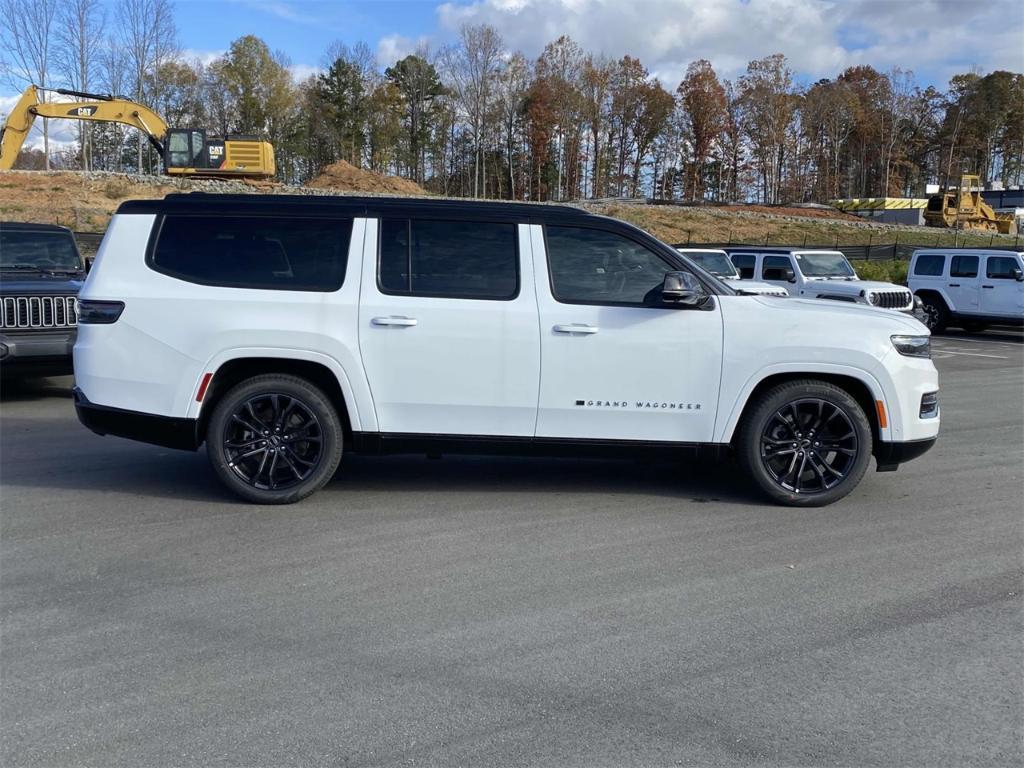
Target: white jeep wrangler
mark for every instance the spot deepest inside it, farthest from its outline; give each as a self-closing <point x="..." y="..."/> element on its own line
<point x="817" y="274"/>
<point x="283" y="330"/>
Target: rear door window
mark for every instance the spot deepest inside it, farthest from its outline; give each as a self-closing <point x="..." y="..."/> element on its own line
<point x="285" y="254"/>
<point x="744" y="263"/>
<point x="964" y="266"/>
<point x="448" y="259"/>
<point x="930" y="265"/>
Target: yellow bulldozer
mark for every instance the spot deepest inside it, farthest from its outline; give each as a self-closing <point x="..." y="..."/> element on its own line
<point x="184" y="151"/>
<point x="963" y="208"/>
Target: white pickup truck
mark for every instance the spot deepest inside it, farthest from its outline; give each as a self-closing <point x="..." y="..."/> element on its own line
<point x="817" y="274"/>
<point x="283" y="330"/>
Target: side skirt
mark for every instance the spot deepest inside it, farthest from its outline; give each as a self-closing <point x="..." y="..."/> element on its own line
<point x="375" y="443"/>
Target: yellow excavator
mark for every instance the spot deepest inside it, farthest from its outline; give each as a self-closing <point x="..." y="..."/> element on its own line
<point x="963" y="208"/>
<point x="185" y="151"/>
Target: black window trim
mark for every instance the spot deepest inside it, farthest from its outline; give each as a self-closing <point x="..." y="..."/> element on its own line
<point x="629" y="236"/>
<point x="410" y="294"/>
<point x="790" y="264"/>
<point x="154" y="239"/>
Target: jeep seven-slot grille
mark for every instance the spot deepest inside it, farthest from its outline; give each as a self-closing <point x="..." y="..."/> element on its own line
<point x="893" y="299"/>
<point x="27" y="312"/>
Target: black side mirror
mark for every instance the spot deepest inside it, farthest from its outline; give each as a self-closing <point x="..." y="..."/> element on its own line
<point x="1018" y="275"/>
<point x="788" y="275"/>
<point x="682" y="289"/>
<point x="88" y="263"/>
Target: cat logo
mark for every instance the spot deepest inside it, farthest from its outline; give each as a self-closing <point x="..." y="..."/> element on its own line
<point x="82" y="111"/>
<point x="216" y="151"/>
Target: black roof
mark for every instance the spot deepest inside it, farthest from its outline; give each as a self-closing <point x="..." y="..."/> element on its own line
<point x="325" y="205"/>
<point x="23" y="226"/>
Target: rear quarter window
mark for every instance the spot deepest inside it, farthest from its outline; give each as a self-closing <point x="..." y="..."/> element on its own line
<point x="274" y="253"/>
<point x="929" y="265"/>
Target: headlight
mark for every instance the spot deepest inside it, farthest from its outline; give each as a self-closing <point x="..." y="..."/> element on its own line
<point x="913" y="346"/>
<point x="873" y="298"/>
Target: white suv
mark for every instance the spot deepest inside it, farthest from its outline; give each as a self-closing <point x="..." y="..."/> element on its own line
<point x="717" y="263"/>
<point x="816" y="274"/>
<point x="282" y="330"/>
<point x="972" y="288"/>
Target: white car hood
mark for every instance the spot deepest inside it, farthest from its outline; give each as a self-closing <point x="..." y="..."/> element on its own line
<point x="825" y="309"/>
<point x="853" y="287"/>
<point x="754" y="286"/>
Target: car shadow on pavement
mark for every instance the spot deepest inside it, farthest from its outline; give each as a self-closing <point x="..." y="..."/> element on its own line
<point x="37" y="388"/>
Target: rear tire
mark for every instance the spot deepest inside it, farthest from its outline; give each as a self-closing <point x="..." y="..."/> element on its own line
<point x="274" y="439"/>
<point x="805" y="443"/>
<point x="936" y="312"/>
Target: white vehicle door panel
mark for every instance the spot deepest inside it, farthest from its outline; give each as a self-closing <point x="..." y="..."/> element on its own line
<point x="1001" y="294"/>
<point x="453" y="366"/>
<point x="962" y="287"/>
<point x="625" y="372"/>
<point x="770" y="264"/>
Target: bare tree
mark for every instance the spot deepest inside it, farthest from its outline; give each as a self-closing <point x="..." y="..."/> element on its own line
<point x="29" y="28"/>
<point x="79" y="27"/>
<point x="472" y="66"/>
<point x="147" y="32"/>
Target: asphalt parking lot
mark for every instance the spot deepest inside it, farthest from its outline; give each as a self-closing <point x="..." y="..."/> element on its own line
<point x="524" y="612"/>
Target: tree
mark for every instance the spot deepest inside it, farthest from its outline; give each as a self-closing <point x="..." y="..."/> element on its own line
<point x="79" y="25"/>
<point x="418" y="85"/>
<point x="148" y="34"/>
<point x="769" y="104"/>
<point x="30" y="27"/>
<point x="344" y="91"/>
<point x="704" y="100"/>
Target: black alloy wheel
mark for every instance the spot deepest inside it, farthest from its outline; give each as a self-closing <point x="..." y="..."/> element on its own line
<point x="805" y="443"/>
<point x="936" y="315"/>
<point x="274" y="439"/>
<point x="809" y="446"/>
<point x="273" y="442"/>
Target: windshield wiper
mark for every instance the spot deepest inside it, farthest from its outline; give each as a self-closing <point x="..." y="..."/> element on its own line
<point x="40" y="269"/>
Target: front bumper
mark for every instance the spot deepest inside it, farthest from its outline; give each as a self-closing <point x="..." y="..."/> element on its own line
<point x="890" y="455"/>
<point x="167" y="431"/>
<point x="43" y="353"/>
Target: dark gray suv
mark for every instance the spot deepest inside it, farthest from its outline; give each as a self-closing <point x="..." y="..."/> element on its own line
<point x="41" y="272"/>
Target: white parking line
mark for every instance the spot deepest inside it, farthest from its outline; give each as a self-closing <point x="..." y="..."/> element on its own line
<point x="944" y="351"/>
<point x="957" y="340"/>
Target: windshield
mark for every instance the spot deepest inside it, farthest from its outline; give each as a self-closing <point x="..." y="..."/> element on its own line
<point x="46" y="250"/>
<point x="715" y="262"/>
<point x="824" y="264"/>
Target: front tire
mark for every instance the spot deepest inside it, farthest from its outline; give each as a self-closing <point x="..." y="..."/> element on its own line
<point x="274" y="439"/>
<point x="805" y="443"/>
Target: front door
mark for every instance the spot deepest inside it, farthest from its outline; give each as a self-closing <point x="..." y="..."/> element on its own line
<point x="1002" y="295"/>
<point x="774" y="270"/>
<point x="613" y="365"/>
<point x="448" y="327"/>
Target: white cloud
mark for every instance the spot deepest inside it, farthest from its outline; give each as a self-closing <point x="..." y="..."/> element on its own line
<point x="301" y="72"/>
<point x="203" y="57"/>
<point x="819" y="37"/>
<point x="391" y="48"/>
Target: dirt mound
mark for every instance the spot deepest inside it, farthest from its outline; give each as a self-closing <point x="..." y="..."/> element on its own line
<point x="345" y="176"/>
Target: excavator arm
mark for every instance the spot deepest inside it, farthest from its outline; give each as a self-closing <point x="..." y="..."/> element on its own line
<point x="105" y="109"/>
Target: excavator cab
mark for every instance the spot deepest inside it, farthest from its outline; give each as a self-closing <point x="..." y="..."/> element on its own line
<point x="184" y="148"/>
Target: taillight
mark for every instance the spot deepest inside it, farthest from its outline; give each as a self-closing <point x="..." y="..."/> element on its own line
<point x="99" y="312"/>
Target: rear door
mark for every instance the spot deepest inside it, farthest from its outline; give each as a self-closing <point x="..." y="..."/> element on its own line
<point x="615" y="367"/>
<point x="1002" y="295"/>
<point x="962" y="287"/>
<point x="448" y="327"/>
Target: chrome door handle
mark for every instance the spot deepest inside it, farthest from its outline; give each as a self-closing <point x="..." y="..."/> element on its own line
<point x="576" y="328"/>
<point x="394" y="321"/>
